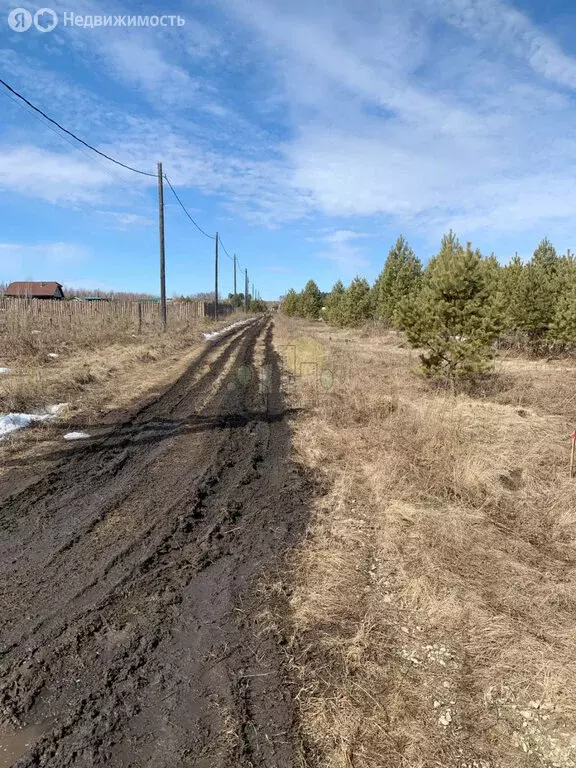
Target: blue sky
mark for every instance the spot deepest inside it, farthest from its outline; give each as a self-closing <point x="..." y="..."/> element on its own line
<point x="310" y="134"/>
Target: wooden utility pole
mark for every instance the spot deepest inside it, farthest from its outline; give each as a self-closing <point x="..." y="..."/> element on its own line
<point x="246" y="291"/>
<point x="162" y="251"/>
<point x="216" y="280"/>
<point x="234" y="277"/>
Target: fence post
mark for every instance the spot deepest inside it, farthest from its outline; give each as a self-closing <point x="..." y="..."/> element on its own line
<point x="139" y="317"/>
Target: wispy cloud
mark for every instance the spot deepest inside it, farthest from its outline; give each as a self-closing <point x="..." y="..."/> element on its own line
<point x="47" y="256"/>
<point x="124" y="221"/>
<point x="52" y="176"/>
<point x="504" y="27"/>
<point x="424" y="132"/>
<point x="341" y="248"/>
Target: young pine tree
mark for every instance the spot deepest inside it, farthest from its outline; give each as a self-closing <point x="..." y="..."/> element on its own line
<point x="310" y="301"/>
<point x="454" y="318"/>
<point x="535" y="292"/>
<point x="355" y="307"/>
<point x="399" y="278"/>
<point x="257" y="305"/>
<point x="333" y="304"/>
<point x="510" y="282"/>
<point x="290" y="305"/>
<point x="563" y="327"/>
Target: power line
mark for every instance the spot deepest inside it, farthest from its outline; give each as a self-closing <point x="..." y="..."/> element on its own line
<point x="230" y="257"/>
<point x="73" y="135"/>
<point x="225" y="251"/>
<point x="198" y="227"/>
<point x="113" y="175"/>
<point x="37" y="110"/>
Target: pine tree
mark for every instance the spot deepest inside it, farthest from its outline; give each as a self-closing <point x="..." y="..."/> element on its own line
<point x="257" y="305"/>
<point x="563" y="327"/>
<point x="311" y="301"/>
<point x="356" y="307"/>
<point x="533" y="291"/>
<point x="510" y="281"/>
<point x="546" y="258"/>
<point x="333" y="313"/>
<point x="399" y="278"/>
<point x="290" y="305"/>
<point x="493" y="272"/>
<point x="454" y="317"/>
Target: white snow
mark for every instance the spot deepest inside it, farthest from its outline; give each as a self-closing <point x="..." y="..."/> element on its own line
<point x="5" y="370"/>
<point x="76" y="436"/>
<point x="10" y="422"/>
<point x="54" y="410"/>
<point x="215" y="334"/>
<point x="53" y="355"/>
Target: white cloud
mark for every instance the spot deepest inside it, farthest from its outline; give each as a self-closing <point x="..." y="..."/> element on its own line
<point x="340" y="248"/>
<point x="384" y="114"/>
<point x="23" y="257"/>
<point x="394" y="117"/>
<point x="344" y="236"/>
<point x="52" y="176"/>
<point x="140" y="64"/>
<point x="506" y="28"/>
<point x="123" y="220"/>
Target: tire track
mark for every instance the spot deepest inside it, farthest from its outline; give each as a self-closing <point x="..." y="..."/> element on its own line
<point x="132" y="631"/>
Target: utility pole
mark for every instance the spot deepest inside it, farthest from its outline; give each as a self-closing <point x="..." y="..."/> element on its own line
<point x="246" y="291"/>
<point x="216" y="280"/>
<point x="162" y="251"/>
<point x="234" y="277"/>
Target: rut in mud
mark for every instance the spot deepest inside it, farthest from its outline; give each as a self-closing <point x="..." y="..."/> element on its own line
<point x="130" y="632"/>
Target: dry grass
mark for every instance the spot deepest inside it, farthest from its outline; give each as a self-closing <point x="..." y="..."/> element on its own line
<point x="99" y="367"/>
<point x="433" y="606"/>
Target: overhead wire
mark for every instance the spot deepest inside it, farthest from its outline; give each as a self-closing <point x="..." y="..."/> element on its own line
<point x="30" y="106"/>
<point x="73" y="135"/>
<point x="116" y="176"/>
<point x="198" y="227"/>
<point x="224" y="249"/>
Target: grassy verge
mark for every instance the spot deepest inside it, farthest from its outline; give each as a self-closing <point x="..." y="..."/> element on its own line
<point x="433" y="602"/>
<point x="95" y="368"/>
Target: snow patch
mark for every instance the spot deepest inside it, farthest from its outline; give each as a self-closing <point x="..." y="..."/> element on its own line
<point x="216" y="334"/>
<point x="53" y="355"/>
<point x="76" y="436"/>
<point x="5" y="370"/>
<point x="11" y="422"/>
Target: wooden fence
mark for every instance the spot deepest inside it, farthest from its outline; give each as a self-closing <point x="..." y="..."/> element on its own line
<point x="147" y="312"/>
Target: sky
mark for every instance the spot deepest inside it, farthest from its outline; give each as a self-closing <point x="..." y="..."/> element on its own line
<point x="308" y="134"/>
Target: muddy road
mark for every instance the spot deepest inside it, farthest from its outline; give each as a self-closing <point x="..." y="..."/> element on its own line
<point x="133" y="632"/>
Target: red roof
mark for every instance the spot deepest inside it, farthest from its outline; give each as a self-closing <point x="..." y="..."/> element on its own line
<point x="28" y="288"/>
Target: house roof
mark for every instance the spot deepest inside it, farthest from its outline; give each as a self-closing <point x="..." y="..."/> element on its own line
<point x="29" y="288"/>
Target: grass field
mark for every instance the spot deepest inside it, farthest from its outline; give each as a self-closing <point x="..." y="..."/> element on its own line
<point x="433" y="601"/>
<point x="96" y="364"/>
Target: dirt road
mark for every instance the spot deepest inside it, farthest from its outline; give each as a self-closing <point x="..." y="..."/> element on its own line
<point x="130" y="631"/>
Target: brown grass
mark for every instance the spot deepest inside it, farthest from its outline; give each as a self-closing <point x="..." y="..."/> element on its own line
<point x="433" y="608"/>
<point x="100" y="366"/>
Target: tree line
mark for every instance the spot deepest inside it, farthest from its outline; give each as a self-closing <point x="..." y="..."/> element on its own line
<point x="460" y="306"/>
